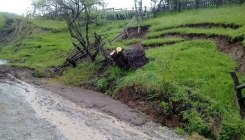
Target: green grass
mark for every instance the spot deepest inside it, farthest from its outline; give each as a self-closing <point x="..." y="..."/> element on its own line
<point x="49" y="24"/>
<point x="223" y="15"/>
<point x="160" y="41"/>
<point x="79" y="75"/>
<point x="209" y="32"/>
<point x="191" y="73"/>
<point x="42" y="50"/>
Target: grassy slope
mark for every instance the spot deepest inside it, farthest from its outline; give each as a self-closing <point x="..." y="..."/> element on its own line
<point x="224" y="15"/>
<point x="188" y="73"/>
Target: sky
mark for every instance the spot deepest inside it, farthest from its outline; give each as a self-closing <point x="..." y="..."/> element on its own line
<point x="14" y="6"/>
<point x="20" y="6"/>
<point x="124" y="3"/>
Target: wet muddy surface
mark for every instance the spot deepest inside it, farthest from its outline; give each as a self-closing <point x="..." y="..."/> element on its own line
<point x="32" y="109"/>
<point x="2" y="62"/>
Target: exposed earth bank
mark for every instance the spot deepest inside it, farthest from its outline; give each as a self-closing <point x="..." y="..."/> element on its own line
<point x="33" y="108"/>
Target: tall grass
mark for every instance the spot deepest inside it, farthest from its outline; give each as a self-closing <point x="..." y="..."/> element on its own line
<point x="42" y="50"/>
<point x="192" y="73"/>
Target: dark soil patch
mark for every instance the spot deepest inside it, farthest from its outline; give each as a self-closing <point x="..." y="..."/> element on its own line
<point x="136" y="45"/>
<point x="206" y="26"/>
<point x="212" y="25"/>
<point x="160" y="44"/>
<point x="133" y="32"/>
<point x="154" y="112"/>
<point x="13" y="31"/>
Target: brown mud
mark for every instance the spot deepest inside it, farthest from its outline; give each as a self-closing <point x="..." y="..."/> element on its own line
<point x="206" y="26"/>
<point x="138" y="102"/>
<point x="63" y="112"/>
<point x="88" y="98"/>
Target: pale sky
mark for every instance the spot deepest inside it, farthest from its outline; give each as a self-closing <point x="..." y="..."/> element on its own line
<point x="14" y="6"/>
<point x="20" y="6"/>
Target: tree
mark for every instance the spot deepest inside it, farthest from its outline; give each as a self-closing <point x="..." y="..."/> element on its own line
<point x="135" y="5"/>
<point x="154" y="2"/>
<point x="79" y="16"/>
<point x="140" y="5"/>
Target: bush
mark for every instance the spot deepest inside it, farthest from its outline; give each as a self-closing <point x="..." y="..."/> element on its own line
<point x="102" y="84"/>
<point x="39" y="73"/>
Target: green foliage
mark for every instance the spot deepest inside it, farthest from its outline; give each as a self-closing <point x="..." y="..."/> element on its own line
<point x="114" y="76"/>
<point x="167" y="22"/>
<point x="233" y="128"/>
<point x="189" y="79"/>
<point x="42" y="50"/>
<point x="209" y="32"/>
<point x="52" y="25"/>
<point x="102" y="84"/>
<point x="222" y="15"/>
<point x="179" y="131"/>
<point x="142" y="116"/>
<point x="39" y="73"/>
<point x="79" y="75"/>
<point x="183" y="79"/>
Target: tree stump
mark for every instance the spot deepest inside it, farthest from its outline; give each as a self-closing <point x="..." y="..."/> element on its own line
<point x="129" y="59"/>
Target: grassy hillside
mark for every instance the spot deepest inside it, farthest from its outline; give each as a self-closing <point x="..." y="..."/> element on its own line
<point x="186" y="84"/>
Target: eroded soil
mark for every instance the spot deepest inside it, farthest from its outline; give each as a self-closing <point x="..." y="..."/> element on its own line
<point x="230" y="46"/>
<point x="35" y="109"/>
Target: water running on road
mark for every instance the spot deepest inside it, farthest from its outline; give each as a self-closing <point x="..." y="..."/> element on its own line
<point x="66" y="120"/>
<point x="2" y="62"/>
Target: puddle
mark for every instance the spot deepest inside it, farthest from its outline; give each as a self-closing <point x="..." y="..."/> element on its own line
<point x="2" y="62"/>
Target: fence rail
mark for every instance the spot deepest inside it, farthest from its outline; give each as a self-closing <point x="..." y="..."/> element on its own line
<point x="239" y="96"/>
<point x="176" y="5"/>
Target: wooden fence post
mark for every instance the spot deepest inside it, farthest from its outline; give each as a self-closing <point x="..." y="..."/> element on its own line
<point x="197" y="4"/>
<point x="179" y="6"/>
<point x="238" y="89"/>
<point x="175" y="5"/>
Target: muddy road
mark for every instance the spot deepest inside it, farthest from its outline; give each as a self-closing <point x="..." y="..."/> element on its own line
<point x="32" y="109"/>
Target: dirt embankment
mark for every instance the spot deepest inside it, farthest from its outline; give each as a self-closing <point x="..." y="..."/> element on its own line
<point x="65" y="112"/>
<point x="233" y="47"/>
<point x="230" y="46"/>
<point x="89" y="99"/>
<point x="16" y="29"/>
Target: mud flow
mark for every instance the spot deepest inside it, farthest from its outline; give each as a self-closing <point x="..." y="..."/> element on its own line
<point x="29" y="111"/>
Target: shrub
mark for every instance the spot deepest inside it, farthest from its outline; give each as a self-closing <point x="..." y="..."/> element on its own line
<point x="39" y="73"/>
<point x="102" y="84"/>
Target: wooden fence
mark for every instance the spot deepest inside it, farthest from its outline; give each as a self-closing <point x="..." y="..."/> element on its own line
<point x="176" y="5"/>
<point x="239" y="97"/>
